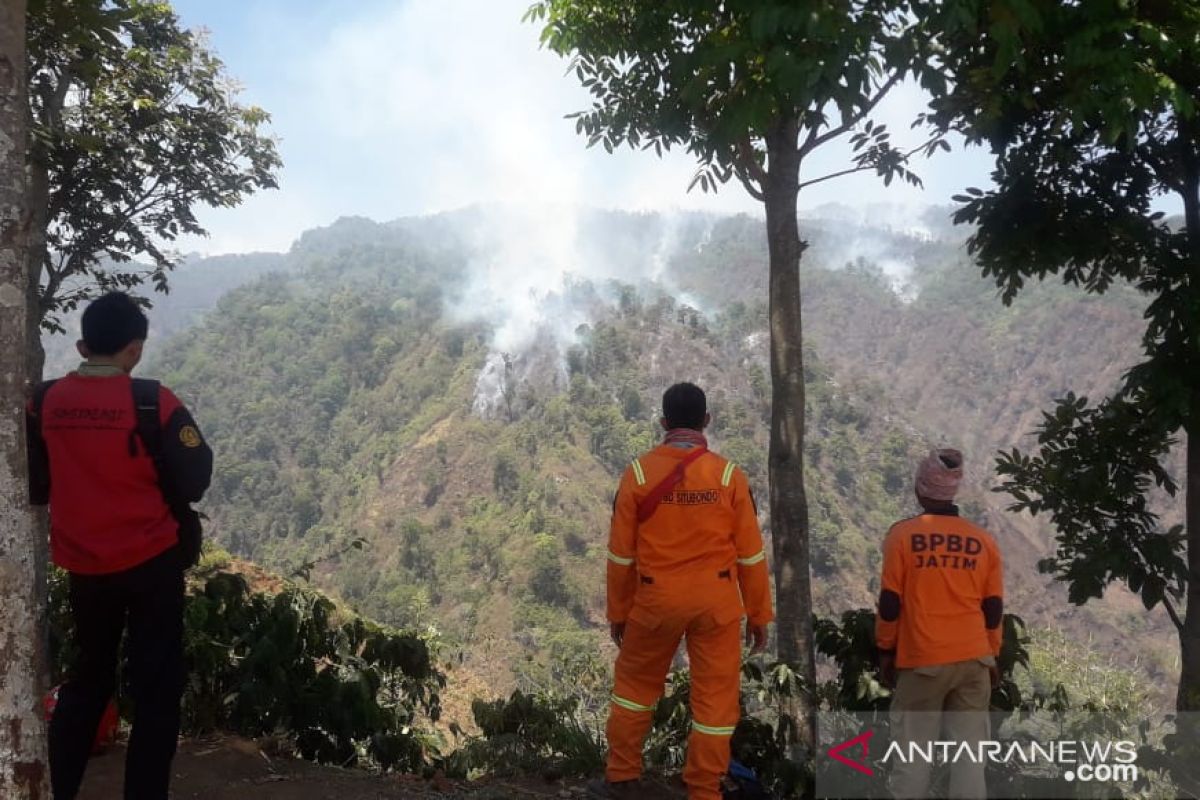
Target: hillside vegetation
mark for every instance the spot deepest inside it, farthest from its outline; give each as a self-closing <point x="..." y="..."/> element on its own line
<point x="371" y="434"/>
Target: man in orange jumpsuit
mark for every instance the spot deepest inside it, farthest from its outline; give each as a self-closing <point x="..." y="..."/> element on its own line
<point x="684" y="554"/>
<point x="941" y="604"/>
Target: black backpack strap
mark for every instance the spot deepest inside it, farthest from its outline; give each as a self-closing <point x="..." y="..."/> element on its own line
<point x="39" y="399"/>
<point x="37" y="456"/>
<point x="149" y="428"/>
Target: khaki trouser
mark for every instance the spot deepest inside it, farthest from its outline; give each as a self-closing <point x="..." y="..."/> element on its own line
<point x="954" y="696"/>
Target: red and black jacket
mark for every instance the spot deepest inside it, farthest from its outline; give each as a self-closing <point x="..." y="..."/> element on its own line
<point x="107" y="512"/>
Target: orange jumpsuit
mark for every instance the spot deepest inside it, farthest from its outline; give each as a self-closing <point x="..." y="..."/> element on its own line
<point x="685" y="571"/>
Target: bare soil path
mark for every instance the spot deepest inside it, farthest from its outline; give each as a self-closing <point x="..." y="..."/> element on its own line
<point x="235" y="769"/>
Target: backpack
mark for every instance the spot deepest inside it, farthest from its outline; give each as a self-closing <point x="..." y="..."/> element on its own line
<point x="149" y="430"/>
<point x="740" y="783"/>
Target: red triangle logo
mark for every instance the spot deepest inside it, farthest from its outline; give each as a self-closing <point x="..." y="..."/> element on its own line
<point x="862" y="740"/>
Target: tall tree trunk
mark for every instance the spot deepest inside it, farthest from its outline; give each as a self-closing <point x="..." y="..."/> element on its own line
<point x="22" y="733"/>
<point x="788" y="501"/>
<point x="39" y="212"/>
<point x="38" y="196"/>
<point x="1188" y="696"/>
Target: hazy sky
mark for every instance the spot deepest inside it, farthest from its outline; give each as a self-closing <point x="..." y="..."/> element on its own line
<point x="389" y="109"/>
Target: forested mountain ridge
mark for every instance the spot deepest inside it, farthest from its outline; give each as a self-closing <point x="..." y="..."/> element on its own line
<point x="488" y="527"/>
<point x="356" y="398"/>
<point x="195" y="287"/>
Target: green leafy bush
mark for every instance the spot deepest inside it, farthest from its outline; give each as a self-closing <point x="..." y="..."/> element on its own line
<point x="342" y="689"/>
<point x="347" y="691"/>
<point x="557" y="729"/>
<point x="542" y="733"/>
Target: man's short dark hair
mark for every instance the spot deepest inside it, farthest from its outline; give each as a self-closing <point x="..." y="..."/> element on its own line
<point x="684" y="406"/>
<point x="111" y="322"/>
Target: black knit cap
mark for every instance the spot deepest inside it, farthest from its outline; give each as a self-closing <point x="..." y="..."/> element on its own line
<point x="684" y="406"/>
<point x="111" y="322"/>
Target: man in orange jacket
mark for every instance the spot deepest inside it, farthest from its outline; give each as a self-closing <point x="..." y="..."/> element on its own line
<point x="684" y="554"/>
<point x="941" y="604"/>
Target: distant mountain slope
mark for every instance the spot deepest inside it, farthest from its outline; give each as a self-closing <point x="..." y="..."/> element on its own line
<point x="345" y="402"/>
<point x="393" y="388"/>
<point x="959" y="367"/>
<point x="196" y="286"/>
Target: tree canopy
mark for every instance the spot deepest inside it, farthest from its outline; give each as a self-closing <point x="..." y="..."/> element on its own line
<point x="135" y="125"/>
<point x="719" y="78"/>
<point x="1091" y="111"/>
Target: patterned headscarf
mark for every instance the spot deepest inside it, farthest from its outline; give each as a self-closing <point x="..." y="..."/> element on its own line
<point x="939" y="474"/>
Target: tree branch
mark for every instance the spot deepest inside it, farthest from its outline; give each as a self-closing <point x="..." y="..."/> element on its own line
<point x="85" y="249"/>
<point x="747" y="159"/>
<point x="864" y="167"/>
<point x="1172" y="613"/>
<point x="753" y="189"/>
<point x="813" y="141"/>
<point x="53" y="99"/>
<point x="838" y="174"/>
<point x="1151" y="152"/>
<point x="54" y="280"/>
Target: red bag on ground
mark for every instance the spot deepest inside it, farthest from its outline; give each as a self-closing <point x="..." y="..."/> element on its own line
<point x="106" y="733"/>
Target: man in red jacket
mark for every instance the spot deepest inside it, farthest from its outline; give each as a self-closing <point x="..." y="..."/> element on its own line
<point x="113" y="531"/>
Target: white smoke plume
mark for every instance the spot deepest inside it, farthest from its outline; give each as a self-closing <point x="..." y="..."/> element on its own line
<point x="883" y="234"/>
<point x="540" y="272"/>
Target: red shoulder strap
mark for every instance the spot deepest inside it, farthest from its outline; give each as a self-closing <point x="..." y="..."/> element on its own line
<point x="649" y="503"/>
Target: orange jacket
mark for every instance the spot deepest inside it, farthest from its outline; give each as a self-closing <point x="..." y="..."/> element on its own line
<point x="941" y="598"/>
<point x="708" y="522"/>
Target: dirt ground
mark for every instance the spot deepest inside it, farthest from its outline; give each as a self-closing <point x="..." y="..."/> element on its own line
<point x="235" y="769"/>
